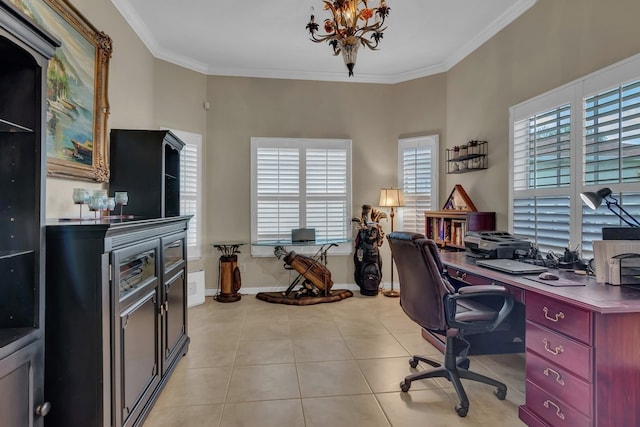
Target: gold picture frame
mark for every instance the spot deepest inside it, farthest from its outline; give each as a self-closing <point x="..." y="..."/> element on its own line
<point x="77" y="104"/>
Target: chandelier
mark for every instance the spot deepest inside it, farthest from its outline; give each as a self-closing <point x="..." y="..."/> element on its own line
<point x="349" y="26"/>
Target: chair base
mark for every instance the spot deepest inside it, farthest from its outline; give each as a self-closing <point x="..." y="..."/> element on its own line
<point x="454" y="369"/>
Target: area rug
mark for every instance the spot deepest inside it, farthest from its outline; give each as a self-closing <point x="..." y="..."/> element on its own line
<point x="280" y="298"/>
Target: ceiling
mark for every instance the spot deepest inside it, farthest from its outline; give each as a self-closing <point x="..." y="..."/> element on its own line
<point x="258" y="38"/>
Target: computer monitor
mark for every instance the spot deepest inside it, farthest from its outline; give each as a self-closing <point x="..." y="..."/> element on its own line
<point x="620" y="233"/>
<point x="301" y="235"/>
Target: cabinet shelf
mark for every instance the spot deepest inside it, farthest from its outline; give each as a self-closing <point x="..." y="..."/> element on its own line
<point x="473" y="158"/>
<point x="10" y="335"/>
<point x="7" y="126"/>
<point x="11" y="254"/>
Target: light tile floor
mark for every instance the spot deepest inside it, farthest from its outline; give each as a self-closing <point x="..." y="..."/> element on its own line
<point x="252" y="363"/>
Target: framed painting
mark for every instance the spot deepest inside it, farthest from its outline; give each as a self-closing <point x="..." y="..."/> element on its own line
<point x="77" y="105"/>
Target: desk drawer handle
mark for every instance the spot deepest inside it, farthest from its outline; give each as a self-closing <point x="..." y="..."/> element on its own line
<point x="559" y="349"/>
<point x="558" y="413"/>
<point x="558" y="316"/>
<point x="559" y="379"/>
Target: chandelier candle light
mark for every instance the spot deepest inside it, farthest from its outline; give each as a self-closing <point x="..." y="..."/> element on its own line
<point x="349" y="26"/>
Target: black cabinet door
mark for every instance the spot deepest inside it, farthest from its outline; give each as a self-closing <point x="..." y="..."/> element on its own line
<point x="140" y="372"/>
<point x="136" y="280"/>
<point x="174" y="313"/>
<point x="174" y="317"/>
<point x="20" y="393"/>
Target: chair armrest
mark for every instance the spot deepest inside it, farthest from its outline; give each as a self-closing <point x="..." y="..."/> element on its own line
<point x="474" y="293"/>
<point x="476" y="289"/>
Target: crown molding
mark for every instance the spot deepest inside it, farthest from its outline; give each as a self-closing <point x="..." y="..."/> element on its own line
<point x="491" y="30"/>
<point x="139" y="27"/>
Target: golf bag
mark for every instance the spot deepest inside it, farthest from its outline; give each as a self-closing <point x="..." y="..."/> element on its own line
<point x="368" y="263"/>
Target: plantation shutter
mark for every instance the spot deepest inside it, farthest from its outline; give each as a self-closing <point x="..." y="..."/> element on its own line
<point x="542" y="165"/>
<point x="326" y="190"/>
<point x="278" y="182"/>
<point x="612" y="136"/>
<point x="417" y="169"/>
<point x="301" y="183"/>
<point x="190" y="172"/>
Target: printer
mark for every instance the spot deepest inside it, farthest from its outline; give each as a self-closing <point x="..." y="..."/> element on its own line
<point x="494" y="244"/>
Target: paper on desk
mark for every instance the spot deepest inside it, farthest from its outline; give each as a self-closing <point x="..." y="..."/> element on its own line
<point x="604" y="250"/>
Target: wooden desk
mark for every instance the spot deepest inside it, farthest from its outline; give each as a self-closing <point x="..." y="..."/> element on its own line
<point x="582" y="347"/>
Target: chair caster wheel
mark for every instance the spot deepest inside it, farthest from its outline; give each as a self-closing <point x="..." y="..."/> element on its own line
<point x="405" y="386"/>
<point x="461" y="411"/>
<point x="501" y="393"/>
<point x="413" y="362"/>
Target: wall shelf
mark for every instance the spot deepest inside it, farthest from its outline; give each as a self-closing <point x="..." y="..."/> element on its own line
<point x="467" y="158"/>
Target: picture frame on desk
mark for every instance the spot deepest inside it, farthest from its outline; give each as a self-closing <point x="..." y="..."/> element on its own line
<point x="77" y="105"/>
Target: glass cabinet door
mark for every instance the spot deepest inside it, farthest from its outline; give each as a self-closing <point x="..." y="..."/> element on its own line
<point x="135" y="268"/>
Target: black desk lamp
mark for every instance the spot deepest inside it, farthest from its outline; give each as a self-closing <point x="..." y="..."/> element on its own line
<point x="594" y="200"/>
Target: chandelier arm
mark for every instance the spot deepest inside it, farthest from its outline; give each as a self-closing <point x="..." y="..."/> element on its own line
<point x="321" y="39"/>
<point x="369" y="44"/>
<point x="370" y="28"/>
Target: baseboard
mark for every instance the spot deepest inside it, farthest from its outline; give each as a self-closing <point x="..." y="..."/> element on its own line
<point x="250" y="290"/>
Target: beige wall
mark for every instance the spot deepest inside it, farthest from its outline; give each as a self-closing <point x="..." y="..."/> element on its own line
<point x="242" y="108"/>
<point x="553" y="43"/>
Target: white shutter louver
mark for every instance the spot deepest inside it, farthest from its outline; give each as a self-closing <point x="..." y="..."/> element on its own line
<point x="544" y="220"/>
<point x="417" y="172"/>
<point x="301" y="183"/>
<point x="612" y="136"/>
<point x="190" y="172"/>
<point x="278" y="177"/>
<point x="541" y="150"/>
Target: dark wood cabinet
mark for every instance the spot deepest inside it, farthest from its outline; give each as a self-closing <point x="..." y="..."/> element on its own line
<point x="582" y="346"/>
<point x="120" y="323"/>
<point x="24" y="49"/>
<point x="156" y="192"/>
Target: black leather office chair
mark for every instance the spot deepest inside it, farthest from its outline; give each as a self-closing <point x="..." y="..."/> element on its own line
<point x="427" y="297"/>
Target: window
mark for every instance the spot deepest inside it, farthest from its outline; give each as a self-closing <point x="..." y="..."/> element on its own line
<point x="300" y="183"/>
<point x="190" y="185"/>
<point x="581" y="137"/>
<point x="418" y="177"/>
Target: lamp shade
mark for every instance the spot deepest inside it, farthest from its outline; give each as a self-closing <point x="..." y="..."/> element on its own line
<point x="594" y="199"/>
<point x="391" y="197"/>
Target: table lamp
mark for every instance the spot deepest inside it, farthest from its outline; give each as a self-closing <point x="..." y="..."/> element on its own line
<point x="595" y="199"/>
<point x="391" y="198"/>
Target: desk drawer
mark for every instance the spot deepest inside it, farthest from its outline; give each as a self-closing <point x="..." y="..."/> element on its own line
<point x="553" y="410"/>
<point x="560" y="317"/>
<point x="560" y="350"/>
<point x="465" y="278"/>
<point x="560" y="383"/>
